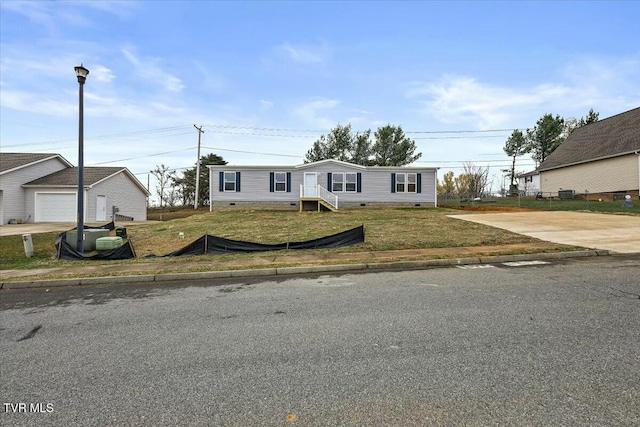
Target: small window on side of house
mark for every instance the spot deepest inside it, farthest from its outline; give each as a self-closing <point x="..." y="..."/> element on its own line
<point x="337" y="184"/>
<point x="411" y="183"/>
<point x="280" y="181"/>
<point x="351" y="181"/>
<point x="400" y="183"/>
<point x="229" y="181"/>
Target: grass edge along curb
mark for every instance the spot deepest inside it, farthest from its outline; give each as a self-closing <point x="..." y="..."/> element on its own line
<point x="292" y="271"/>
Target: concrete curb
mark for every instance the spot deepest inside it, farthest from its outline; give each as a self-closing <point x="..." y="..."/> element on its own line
<point x="290" y="271"/>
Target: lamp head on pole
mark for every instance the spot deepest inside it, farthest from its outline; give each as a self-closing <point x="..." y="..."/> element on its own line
<point x="82" y="73"/>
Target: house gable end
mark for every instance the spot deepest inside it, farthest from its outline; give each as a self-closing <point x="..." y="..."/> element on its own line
<point x="614" y="136"/>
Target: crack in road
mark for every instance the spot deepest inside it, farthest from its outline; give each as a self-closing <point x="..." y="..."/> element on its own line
<point x="31" y="333"/>
<point x="635" y="296"/>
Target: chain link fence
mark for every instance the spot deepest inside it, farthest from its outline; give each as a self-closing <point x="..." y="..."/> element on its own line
<point x="623" y="202"/>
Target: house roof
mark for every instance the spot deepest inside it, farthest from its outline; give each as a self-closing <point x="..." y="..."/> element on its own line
<point x="92" y="176"/>
<point x="13" y="161"/>
<point x="330" y="161"/>
<point x="611" y="137"/>
<point x="530" y="173"/>
<point x="312" y="164"/>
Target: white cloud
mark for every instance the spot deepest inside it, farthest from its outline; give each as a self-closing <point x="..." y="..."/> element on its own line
<point x="151" y="71"/>
<point x="311" y="112"/>
<point x="305" y="54"/>
<point x="32" y="102"/>
<point x="54" y="15"/>
<point x="265" y="105"/>
<point x="459" y="99"/>
<point x="102" y="74"/>
<point x="609" y="87"/>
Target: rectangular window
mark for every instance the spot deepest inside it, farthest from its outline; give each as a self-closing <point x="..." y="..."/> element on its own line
<point x="407" y="183"/>
<point x="351" y="180"/>
<point x="280" y="181"/>
<point x="338" y="182"/>
<point x="229" y="181"/>
<point x="400" y="183"/>
<point x="411" y="183"/>
<point x="344" y="182"/>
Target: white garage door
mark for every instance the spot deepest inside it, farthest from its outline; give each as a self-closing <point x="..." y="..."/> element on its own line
<point x="56" y="207"/>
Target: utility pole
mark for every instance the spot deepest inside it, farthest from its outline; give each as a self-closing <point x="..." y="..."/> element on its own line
<point x="200" y="132"/>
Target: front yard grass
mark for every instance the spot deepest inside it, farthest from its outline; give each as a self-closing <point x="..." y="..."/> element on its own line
<point x="385" y="229"/>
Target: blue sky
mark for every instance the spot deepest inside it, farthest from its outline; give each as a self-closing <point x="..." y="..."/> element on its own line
<point x="266" y="79"/>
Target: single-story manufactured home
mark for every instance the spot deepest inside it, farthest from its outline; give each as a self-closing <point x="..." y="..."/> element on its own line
<point x="601" y="157"/>
<point x="327" y="184"/>
<point x="529" y="183"/>
<point x="38" y="187"/>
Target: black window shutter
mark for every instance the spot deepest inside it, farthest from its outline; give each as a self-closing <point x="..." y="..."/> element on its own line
<point x="359" y="182"/>
<point x="237" y="182"/>
<point x="419" y="183"/>
<point x="288" y="182"/>
<point x="329" y="181"/>
<point x="221" y="183"/>
<point x="271" y="179"/>
<point x="393" y="182"/>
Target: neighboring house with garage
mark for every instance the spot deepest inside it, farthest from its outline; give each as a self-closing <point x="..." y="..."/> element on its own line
<point x="37" y="187"/>
<point x="529" y="183"/>
<point x="327" y="185"/>
<point x="601" y="157"/>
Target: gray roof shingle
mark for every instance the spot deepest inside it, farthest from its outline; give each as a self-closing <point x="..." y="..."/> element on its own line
<point x="69" y="176"/>
<point x="9" y="161"/>
<point x="610" y="137"/>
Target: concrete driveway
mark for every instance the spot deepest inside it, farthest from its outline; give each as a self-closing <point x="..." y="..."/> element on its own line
<point x="616" y="233"/>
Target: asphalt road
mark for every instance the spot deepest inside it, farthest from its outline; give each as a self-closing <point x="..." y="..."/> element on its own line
<point x="549" y="344"/>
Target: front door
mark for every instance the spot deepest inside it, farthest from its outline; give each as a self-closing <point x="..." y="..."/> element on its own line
<point x="310" y="184"/>
<point x="101" y="208"/>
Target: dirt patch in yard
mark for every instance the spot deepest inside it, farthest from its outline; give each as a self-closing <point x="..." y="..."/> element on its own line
<point x="481" y="208"/>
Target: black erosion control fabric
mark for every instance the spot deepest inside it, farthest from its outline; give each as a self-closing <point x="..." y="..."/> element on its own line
<point x="208" y="244"/>
<point x="65" y="251"/>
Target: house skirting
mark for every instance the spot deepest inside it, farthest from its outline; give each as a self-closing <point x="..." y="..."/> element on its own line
<point x="296" y="205"/>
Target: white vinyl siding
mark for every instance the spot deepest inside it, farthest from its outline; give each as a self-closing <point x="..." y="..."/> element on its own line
<point x="15" y="201"/>
<point x="602" y="176"/>
<point x="375" y="184"/>
<point x="119" y="191"/>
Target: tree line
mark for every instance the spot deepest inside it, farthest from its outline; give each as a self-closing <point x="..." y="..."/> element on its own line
<point x="388" y="146"/>
<point x="173" y="190"/>
<point x="539" y="141"/>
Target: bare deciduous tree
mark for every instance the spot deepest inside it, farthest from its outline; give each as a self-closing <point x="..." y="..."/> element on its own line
<point x="164" y="177"/>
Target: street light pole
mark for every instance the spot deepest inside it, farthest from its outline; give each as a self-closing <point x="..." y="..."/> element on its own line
<point x="81" y="73"/>
<point x="195" y="203"/>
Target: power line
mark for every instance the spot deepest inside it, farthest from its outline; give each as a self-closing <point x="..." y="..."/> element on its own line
<point x="142" y="157"/>
<point x="264" y="129"/>
<point x="254" y="152"/>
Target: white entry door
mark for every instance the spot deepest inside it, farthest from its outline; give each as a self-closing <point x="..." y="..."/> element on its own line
<point x="101" y="208"/>
<point x="310" y="184"/>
